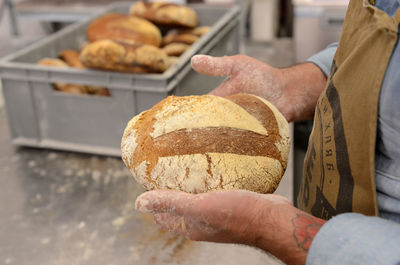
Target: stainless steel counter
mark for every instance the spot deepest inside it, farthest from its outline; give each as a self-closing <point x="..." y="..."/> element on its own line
<point x="67" y="208"/>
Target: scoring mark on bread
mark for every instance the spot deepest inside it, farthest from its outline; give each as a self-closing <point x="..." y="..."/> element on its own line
<point x="200" y="112"/>
<point x="257" y="108"/>
<point x="271" y="119"/>
<point x="215" y="140"/>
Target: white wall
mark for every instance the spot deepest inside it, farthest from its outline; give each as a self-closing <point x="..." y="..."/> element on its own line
<point x="1" y="98"/>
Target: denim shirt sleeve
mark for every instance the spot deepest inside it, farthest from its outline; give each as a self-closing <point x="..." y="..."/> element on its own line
<point x="351" y="239"/>
<point x="324" y="58"/>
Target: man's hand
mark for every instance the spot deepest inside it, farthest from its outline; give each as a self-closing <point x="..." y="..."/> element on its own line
<point x="269" y="222"/>
<point x="294" y="91"/>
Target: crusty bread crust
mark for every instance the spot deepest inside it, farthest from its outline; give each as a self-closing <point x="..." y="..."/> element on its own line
<point x="200" y="31"/>
<point x="175" y="49"/>
<point x="123" y="57"/>
<point x="203" y="143"/>
<point x="172" y="60"/>
<point x="53" y="62"/>
<point x="166" y="13"/>
<point x="68" y="88"/>
<point x="71" y="57"/>
<point x="184" y="36"/>
<point x="124" y="28"/>
<point x="179" y="36"/>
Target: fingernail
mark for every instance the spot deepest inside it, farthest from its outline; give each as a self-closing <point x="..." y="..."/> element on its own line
<point x="143" y="205"/>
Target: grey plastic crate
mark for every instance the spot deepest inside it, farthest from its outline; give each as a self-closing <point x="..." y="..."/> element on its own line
<point x="39" y="116"/>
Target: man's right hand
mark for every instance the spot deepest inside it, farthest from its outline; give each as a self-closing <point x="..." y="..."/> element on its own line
<point x="294" y="91"/>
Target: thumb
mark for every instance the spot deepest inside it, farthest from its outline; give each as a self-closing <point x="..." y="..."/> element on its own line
<point x="214" y="66"/>
<point x="164" y="201"/>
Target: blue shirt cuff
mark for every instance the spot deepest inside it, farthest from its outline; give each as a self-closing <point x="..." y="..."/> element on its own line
<point x="351" y="239"/>
<point x="324" y="58"/>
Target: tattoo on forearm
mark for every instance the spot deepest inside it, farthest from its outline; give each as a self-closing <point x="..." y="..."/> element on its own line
<point x="305" y="227"/>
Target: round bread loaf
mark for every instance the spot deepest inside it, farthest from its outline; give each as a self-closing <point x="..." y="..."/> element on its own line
<point x="124" y="28"/>
<point x="164" y="13"/>
<point x="203" y="143"/>
<point x="175" y="49"/>
<point x="124" y="57"/>
<point x="179" y="36"/>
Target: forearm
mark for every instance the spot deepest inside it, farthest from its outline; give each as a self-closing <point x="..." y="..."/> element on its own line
<point x="288" y="234"/>
<point x="303" y="85"/>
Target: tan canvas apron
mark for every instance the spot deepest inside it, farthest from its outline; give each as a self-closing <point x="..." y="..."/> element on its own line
<point x="339" y="165"/>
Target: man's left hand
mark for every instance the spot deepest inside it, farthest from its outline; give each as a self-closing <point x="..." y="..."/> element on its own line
<point x="267" y="221"/>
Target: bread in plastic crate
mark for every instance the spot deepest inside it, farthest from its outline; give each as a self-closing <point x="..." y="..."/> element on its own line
<point x="39" y="116"/>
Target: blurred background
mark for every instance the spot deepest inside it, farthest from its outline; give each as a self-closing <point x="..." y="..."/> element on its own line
<point x="65" y="195"/>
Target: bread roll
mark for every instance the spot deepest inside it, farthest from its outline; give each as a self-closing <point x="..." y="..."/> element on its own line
<point x="175" y="49"/>
<point x="118" y="56"/>
<point x="203" y="143"/>
<point x="124" y="28"/>
<point x="200" y="31"/>
<point x="71" y="57"/>
<point x="68" y="88"/>
<point x="172" y="60"/>
<point x="184" y="36"/>
<point x="53" y="62"/>
<point x="179" y="36"/>
<point x="97" y="91"/>
<point x="166" y="13"/>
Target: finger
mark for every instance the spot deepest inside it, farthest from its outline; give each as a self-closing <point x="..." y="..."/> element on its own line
<point x="165" y="201"/>
<point x="175" y="224"/>
<point x="186" y="226"/>
<point x="213" y="66"/>
<point x="169" y="222"/>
